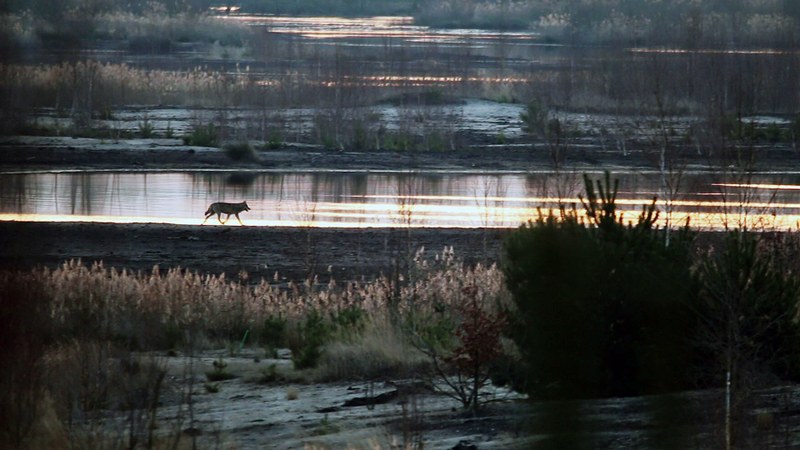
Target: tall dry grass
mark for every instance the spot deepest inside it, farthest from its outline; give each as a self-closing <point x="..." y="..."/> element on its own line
<point x="156" y="309"/>
<point x="160" y="25"/>
<point x="106" y="85"/>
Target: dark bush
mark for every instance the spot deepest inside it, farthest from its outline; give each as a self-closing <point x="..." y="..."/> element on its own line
<point x="273" y="332"/>
<point x="349" y="321"/>
<point x="240" y="151"/>
<point x="748" y="306"/>
<point x="275" y="141"/>
<point x="794" y="130"/>
<point x="25" y="334"/>
<point x="202" y="136"/>
<point x="312" y="334"/>
<point x="602" y="307"/>
<point x="146" y="130"/>
<point x="535" y="119"/>
<point x="219" y="373"/>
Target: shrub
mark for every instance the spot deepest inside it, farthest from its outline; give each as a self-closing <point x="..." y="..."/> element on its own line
<point x="748" y="305"/>
<point x="534" y="119"/>
<point x="435" y="142"/>
<point x="25" y="337"/>
<point x="312" y="333"/>
<point x="275" y="141"/>
<point x="436" y="330"/>
<point x="380" y="351"/>
<point x="145" y="128"/>
<point x="202" y="136"/>
<point x="466" y="369"/>
<point x="794" y="130"/>
<point x="269" y="375"/>
<point x="219" y="373"/>
<point x="397" y="141"/>
<point x="240" y="151"/>
<point x="774" y="133"/>
<point x="360" y="139"/>
<point x="601" y="307"/>
<point x="349" y="321"/>
<point x="272" y="333"/>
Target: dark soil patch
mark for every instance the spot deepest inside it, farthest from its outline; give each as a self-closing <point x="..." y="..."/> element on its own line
<point x="292" y="253"/>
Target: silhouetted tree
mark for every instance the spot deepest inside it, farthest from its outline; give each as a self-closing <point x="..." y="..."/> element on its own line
<point x="602" y="307"/>
<point x="748" y="307"/>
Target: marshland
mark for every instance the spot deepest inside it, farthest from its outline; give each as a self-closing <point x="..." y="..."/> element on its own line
<point x="474" y="224"/>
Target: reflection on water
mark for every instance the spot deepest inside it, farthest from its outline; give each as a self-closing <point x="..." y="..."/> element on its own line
<point x="351" y="200"/>
<point x="684" y="51"/>
<point x="389" y="52"/>
<point x="383" y="27"/>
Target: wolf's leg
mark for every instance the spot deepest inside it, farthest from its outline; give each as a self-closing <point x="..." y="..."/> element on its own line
<point x="240" y="220"/>
<point x="219" y="217"/>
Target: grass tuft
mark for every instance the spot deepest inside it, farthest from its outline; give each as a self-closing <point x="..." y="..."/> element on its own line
<point x="202" y="136"/>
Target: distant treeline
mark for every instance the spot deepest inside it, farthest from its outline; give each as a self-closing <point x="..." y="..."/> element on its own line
<point x="717" y="23"/>
<point x="331" y="7"/>
<point x="46" y="8"/>
<point x="678" y="22"/>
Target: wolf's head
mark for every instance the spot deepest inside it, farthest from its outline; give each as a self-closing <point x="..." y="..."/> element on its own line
<point x="246" y="208"/>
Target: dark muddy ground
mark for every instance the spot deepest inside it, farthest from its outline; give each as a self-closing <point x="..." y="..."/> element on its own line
<point x="292" y="253"/>
<point x="59" y="153"/>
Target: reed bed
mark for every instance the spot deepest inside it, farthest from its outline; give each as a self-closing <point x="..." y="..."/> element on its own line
<point x="176" y="27"/>
<point x="156" y="309"/>
<point x="105" y="85"/>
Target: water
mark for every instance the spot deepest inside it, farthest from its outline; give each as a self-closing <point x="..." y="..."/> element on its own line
<point x="386" y="199"/>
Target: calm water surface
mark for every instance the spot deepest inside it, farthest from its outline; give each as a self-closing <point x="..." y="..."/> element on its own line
<point x="334" y="199"/>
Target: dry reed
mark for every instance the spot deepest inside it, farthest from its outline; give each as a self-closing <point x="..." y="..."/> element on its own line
<point x="153" y="310"/>
<point x="107" y="84"/>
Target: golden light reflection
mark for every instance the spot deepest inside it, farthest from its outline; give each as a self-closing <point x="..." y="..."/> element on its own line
<point x="776" y="187"/>
<point x="710" y="51"/>
<point x="378" y="27"/>
<point x="401" y="81"/>
<point x="415" y="80"/>
<point x="315" y="223"/>
<point x="441" y="215"/>
<point x="376" y="200"/>
<point x="544" y="201"/>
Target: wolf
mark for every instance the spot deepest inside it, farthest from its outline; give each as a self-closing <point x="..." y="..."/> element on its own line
<point x="220" y="208"/>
